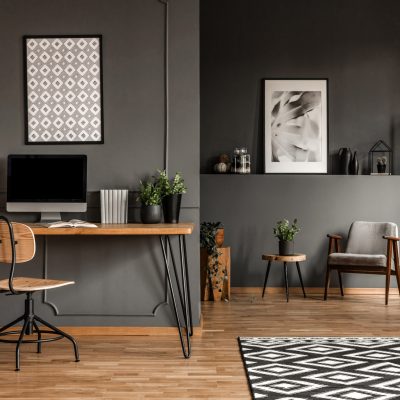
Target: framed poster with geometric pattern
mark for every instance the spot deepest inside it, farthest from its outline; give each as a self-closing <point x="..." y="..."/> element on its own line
<point x="63" y="90"/>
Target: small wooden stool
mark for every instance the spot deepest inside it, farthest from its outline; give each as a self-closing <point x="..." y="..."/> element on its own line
<point x="285" y="259"/>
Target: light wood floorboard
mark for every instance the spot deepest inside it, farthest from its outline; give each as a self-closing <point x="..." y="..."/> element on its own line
<point x="152" y="367"/>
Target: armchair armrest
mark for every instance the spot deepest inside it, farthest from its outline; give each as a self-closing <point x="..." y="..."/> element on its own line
<point x="334" y="243"/>
<point x="394" y="238"/>
<point x="338" y="237"/>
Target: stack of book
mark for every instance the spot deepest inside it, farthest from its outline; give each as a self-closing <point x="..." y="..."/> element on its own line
<point x="114" y="206"/>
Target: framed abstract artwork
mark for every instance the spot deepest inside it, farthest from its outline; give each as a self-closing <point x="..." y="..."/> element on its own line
<point x="63" y="90"/>
<point x="296" y="125"/>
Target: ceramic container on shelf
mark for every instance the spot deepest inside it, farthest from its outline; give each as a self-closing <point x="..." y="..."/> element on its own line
<point x="344" y="160"/>
<point x="354" y="165"/>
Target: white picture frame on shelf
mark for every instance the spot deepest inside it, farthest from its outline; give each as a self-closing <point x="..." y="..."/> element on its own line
<point x="296" y="126"/>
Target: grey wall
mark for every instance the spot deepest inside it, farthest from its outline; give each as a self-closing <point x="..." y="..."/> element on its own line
<point x="354" y="44"/>
<point x="114" y="275"/>
<point x="249" y="207"/>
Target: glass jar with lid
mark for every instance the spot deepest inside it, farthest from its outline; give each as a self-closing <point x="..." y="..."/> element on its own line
<point x="241" y="161"/>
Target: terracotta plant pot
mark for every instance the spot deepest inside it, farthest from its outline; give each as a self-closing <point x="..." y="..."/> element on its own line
<point x="219" y="237"/>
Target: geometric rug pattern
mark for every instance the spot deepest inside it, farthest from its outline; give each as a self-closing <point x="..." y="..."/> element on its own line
<point x="335" y="368"/>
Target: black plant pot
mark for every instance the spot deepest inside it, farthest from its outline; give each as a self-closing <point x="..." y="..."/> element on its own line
<point x="285" y="248"/>
<point x="171" y="208"/>
<point x="150" y="214"/>
<point x="381" y="168"/>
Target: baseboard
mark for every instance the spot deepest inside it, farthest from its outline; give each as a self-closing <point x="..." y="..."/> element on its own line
<point x="312" y="290"/>
<point x="125" y="330"/>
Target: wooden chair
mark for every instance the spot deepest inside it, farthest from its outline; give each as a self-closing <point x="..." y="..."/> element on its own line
<point x="372" y="248"/>
<point x="17" y="245"/>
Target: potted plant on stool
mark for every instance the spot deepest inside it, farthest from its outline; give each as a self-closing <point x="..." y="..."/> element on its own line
<point x="171" y="193"/>
<point x="286" y="233"/>
<point x="150" y="198"/>
<point x="211" y="239"/>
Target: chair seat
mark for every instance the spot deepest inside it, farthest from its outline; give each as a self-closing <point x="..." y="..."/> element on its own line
<point x="357" y="260"/>
<point x="22" y="284"/>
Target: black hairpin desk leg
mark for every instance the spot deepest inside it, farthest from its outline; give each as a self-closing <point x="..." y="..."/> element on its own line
<point x="186" y="348"/>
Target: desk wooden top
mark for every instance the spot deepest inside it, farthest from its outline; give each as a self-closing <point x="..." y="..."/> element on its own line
<point x="185" y="228"/>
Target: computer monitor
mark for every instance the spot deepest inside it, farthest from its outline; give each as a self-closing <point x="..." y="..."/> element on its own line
<point x="49" y="184"/>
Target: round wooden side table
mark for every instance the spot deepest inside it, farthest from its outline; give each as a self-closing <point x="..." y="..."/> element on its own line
<point x="293" y="258"/>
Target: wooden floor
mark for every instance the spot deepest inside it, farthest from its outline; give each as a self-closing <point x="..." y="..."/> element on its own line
<point x="151" y="367"/>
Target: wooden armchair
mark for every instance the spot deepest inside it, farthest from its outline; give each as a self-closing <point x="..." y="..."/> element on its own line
<point x="372" y="248"/>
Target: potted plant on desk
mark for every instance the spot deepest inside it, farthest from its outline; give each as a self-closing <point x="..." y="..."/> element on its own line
<point x="150" y="199"/>
<point x="171" y="193"/>
<point x="286" y="233"/>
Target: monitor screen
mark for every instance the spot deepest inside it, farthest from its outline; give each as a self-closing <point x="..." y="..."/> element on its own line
<point x="46" y="178"/>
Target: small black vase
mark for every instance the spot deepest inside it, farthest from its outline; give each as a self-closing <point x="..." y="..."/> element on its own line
<point x="285" y="248"/>
<point x="344" y="160"/>
<point x="353" y="167"/>
<point x="150" y="214"/>
<point x="171" y="208"/>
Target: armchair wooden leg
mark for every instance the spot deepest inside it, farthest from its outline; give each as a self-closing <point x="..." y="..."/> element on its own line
<point x="327" y="281"/>
<point x="340" y="283"/>
<point x="396" y="265"/>
<point x="388" y="273"/>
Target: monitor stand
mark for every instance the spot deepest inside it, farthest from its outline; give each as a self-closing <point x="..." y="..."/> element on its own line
<point x="46" y="217"/>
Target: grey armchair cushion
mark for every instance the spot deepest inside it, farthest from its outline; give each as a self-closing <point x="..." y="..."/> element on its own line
<point x="366" y="237"/>
<point x="357" y="260"/>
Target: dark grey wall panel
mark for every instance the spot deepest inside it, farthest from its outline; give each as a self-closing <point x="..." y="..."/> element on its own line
<point x="249" y="206"/>
<point x="113" y="275"/>
<point x="352" y="43"/>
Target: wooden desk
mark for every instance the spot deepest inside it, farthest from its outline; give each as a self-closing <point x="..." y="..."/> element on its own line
<point x="118" y="229"/>
<point x="163" y="231"/>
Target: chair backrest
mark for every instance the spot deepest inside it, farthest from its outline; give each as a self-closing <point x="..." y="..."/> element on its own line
<point x="366" y="237"/>
<point x="24" y="238"/>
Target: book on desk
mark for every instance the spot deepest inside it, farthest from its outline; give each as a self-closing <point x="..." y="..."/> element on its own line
<point x="73" y="223"/>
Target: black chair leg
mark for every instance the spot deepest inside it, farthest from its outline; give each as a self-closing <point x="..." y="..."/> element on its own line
<point x="340" y="283"/>
<point x="266" y="277"/>
<point x="21" y="337"/>
<point x="60" y="332"/>
<point x="39" y="345"/>
<point x="286" y="281"/>
<point x="5" y="327"/>
<point x="301" y="279"/>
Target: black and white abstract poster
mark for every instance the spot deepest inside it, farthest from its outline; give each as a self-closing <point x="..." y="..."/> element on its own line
<point x="296" y="126"/>
<point x="63" y="84"/>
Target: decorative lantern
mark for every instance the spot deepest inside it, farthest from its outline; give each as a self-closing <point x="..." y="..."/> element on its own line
<point x="380" y="159"/>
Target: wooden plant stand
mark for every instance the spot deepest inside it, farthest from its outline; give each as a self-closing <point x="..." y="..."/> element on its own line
<point x="225" y="260"/>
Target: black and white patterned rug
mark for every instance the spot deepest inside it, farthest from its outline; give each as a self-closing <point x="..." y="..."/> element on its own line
<point x="339" y="368"/>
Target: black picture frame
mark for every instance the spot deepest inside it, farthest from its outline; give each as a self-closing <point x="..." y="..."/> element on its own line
<point x="26" y="90"/>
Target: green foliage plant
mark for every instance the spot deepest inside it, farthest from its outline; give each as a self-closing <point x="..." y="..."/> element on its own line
<point x="208" y="232"/>
<point x="167" y="186"/>
<point x="285" y="231"/>
<point x="149" y="193"/>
